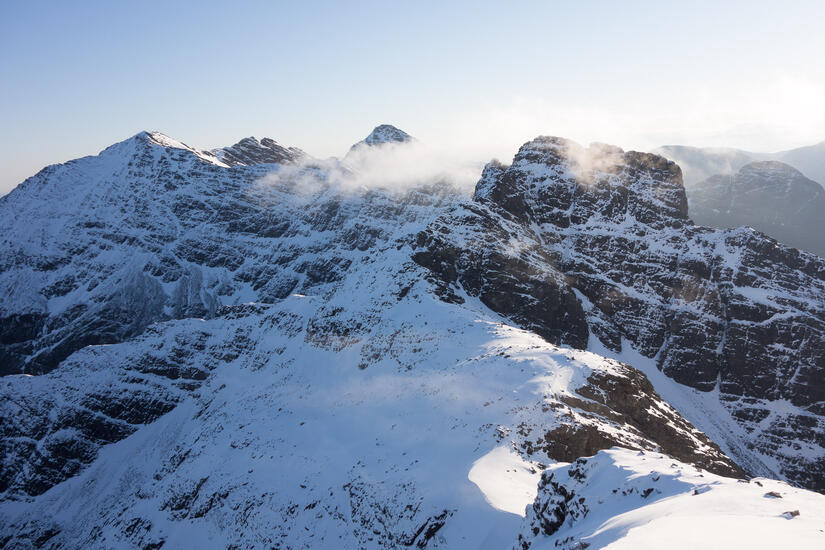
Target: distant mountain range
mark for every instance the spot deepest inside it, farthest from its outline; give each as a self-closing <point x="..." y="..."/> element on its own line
<point x="700" y="163"/>
<point x="779" y="194"/>
<point x="769" y="196"/>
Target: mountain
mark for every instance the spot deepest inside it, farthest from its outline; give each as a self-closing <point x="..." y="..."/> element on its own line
<point x="249" y="152"/>
<point x="769" y="196"/>
<point x="97" y="249"/>
<point x="593" y="248"/>
<point x="770" y="192"/>
<point x="205" y="349"/>
<point x="700" y="163"/>
<point x="809" y="160"/>
<point x="383" y="134"/>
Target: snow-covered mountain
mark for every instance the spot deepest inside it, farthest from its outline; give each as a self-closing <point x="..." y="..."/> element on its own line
<point x="770" y="196"/>
<point x="384" y="134"/>
<point x="593" y="248"/>
<point x="229" y="349"/>
<point x="249" y="151"/>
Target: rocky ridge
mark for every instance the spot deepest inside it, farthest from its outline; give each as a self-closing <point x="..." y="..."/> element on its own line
<point x="249" y="152"/>
<point x="595" y="247"/>
<point x="367" y="304"/>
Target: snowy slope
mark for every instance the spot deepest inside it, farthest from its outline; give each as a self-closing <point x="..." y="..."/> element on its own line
<point x="621" y="499"/>
<point x="367" y="432"/>
<point x="593" y="247"/>
<point x="234" y="352"/>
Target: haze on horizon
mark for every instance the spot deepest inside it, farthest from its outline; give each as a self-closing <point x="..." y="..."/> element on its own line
<point x="475" y="79"/>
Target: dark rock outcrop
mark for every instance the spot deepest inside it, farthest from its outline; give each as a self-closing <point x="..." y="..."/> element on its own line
<point x="728" y="310"/>
<point x="249" y="151"/>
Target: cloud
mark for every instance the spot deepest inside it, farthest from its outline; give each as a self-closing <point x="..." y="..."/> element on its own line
<point x="781" y="113"/>
<point x="394" y="167"/>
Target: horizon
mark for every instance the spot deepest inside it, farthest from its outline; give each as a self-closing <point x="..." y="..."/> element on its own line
<point x="320" y="78"/>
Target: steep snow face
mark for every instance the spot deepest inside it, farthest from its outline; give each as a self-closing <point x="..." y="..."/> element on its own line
<point x="620" y="499"/>
<point x="593" y="247"/>
<point x="769" y="196"/>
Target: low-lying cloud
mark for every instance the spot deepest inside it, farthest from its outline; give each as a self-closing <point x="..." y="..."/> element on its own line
<point x="394" y="167"/>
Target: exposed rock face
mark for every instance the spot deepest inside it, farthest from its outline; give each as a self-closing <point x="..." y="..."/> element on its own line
<point x="249" y="151"/>
<point x="95" y="250"/>
<point x="769" y="196"/>
<point x="392" y="339"/>
<point x="727" y="310"/>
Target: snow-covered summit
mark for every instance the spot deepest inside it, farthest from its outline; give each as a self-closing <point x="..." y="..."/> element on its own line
<point x="158" y="139"/>
<point x="384" y="134"/>
<point x="623" y="499"/>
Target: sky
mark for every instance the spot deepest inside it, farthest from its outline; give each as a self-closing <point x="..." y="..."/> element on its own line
<point x="475" y="79"/>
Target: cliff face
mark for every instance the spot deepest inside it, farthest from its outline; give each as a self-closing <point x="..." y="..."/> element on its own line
<point x="596" y="245"/>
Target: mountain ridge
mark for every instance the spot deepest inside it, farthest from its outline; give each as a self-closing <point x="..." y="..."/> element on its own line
<point x="288" y="335"/>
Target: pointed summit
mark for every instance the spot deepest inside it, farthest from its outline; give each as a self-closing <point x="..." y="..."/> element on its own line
<point x="387" y="133"/>
<point x="383" y="134"/>
<point x="149" y="139"/>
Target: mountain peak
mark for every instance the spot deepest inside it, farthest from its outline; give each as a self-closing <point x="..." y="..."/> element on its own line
<point x="249" y="151"/>
<point x="146" y="138"/>
<point x="383" y="134"/>
<point x="651" y="185"/>
<point x="770" y="196"/>
<point x="387" y="133"/>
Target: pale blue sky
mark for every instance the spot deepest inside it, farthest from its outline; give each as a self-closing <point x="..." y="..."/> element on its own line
<point x="478" y="77"/>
